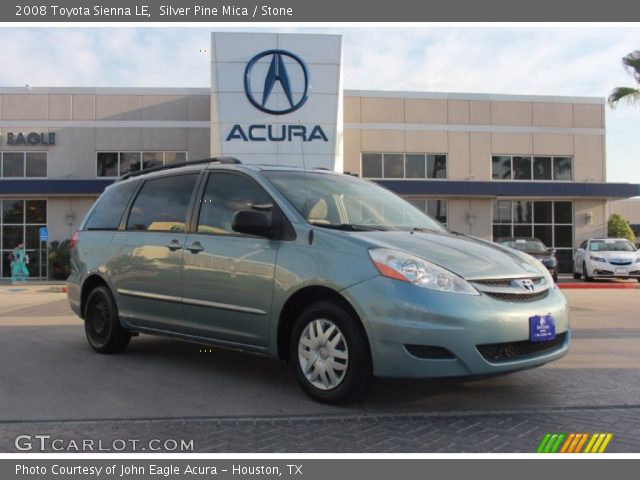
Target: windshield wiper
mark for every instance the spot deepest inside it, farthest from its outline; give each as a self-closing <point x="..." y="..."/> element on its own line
<point x="349" y="227"/>
<point x="425" y="230"/>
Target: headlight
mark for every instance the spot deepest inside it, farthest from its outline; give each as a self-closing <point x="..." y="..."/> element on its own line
<point x="597" y="259"/>
<point x="638" y="260"/>
<point x="422" y="273"/>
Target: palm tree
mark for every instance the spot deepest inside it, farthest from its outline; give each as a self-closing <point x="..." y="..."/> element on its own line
<point x="631" y="63"/>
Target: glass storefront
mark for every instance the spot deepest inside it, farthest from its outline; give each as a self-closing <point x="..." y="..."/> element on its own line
<point x="20" y="221"/>
<point x="549" y="221"/>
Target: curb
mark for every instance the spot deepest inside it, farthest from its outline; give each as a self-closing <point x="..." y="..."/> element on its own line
<point x="603" y="286"/>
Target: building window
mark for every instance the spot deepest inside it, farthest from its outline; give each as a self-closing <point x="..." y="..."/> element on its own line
<point x="23" y="164"/>
<point x="434" y="208"/>
<point x="115" y="164"/>
<point x="549" y="221"/>
<point x="20" y="221"/>
<point x="403" y="166"/>
<point x="516" y="167"/>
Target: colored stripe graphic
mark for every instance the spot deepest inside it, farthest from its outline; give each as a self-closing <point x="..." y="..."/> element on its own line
<point x="554" y="442"/>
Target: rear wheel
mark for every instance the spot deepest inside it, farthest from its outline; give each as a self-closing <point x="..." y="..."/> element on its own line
<point x="585" y="272"/>
<point x="330" y="354"/>
<point x="101" y="323"/>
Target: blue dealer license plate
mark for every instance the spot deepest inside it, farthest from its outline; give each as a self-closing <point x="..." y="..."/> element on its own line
<point x="542" y="328"/>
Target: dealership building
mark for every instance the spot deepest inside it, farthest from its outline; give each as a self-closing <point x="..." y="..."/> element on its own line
<point x="488" y="165"/>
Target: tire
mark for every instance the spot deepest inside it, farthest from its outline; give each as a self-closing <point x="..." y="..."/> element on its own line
<point x="576" y="275"/>
<point x="585" y="272"/>
<point x="102" y="324"/>
<point x="330" y="385"/>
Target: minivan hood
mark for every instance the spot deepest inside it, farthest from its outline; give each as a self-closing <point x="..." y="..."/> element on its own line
<point x="471" y="258"/>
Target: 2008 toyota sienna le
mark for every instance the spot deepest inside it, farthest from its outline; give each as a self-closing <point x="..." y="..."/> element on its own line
<point x="338" y="276"/>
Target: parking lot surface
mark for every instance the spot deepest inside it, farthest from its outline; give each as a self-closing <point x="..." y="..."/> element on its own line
<point x="232" y="401"/>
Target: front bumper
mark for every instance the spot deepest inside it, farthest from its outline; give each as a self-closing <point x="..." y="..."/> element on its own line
<point x="601" y="269"/>
<point x="396" y="314"/>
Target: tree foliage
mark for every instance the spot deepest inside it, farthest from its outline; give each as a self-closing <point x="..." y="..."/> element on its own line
<point x="618" y="227"/>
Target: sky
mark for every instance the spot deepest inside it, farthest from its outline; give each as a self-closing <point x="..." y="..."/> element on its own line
<point x="571" y="61"/>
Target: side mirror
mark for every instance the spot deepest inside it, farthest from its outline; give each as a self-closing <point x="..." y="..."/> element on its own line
<point x="252" y="222"/>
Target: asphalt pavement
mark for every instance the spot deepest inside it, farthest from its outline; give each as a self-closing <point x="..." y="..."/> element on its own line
<point x="231" y="401"/>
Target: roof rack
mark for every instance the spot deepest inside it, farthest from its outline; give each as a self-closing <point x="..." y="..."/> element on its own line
<point x="220" y="160"/>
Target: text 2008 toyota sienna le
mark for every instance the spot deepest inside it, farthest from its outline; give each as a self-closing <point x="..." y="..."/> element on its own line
<point x="335" y="274"/>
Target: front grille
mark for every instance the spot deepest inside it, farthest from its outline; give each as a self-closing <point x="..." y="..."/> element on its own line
<point x="430" y="352"/>
<point x="620" y="262"/>
<point x="518" y="297"/>
<point x="502" y="352"/>
<point x="504" y="282"/>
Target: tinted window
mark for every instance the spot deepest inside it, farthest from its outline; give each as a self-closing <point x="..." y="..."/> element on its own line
<point x="502" y="212"/>
<point x="522" y="168"/>
<point x="542" y="212"/>
<point x="437" y="166"/>
<point x="36" y="211"/>
<point x="110" y="207"/>
<point x="129" y="162"/>
<point x="163" y="204"/>
<point x="415" y="166"/>
<point x="372" y="165"/>
<point x="562" y="168"/>
<point x="501" y="168"/>
<point x="393" y="165"/>
<point x="562" y="212"/>
<point x="226" y="194"/>
<point x="36" y="165"/>
<point x="107" y="164"/>
<point x="13" y="164"/>
<point x="542" y="168"/>
<point x="521" y="214"/>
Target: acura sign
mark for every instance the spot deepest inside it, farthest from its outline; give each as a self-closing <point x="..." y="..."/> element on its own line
<point x="260" y="93"/>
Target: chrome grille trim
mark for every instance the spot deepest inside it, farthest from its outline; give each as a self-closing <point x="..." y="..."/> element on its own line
<point x="511" y="289"/>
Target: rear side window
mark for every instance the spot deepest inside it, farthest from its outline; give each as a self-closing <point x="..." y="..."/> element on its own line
<point x="110" y="207"/>
<point x="163" y="204"/>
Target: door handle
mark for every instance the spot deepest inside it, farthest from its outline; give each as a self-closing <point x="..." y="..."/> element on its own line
<point x="195" y="247"/>
<point x="174" y="245"/>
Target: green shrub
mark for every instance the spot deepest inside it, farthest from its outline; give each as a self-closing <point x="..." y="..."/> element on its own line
<point x="618" y="227"/>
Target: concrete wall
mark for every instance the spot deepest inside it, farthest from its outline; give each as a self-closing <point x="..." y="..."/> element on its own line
<point x="88" y="120"/>
<point x="470" y="130"/>
<point x="629" y="209"/>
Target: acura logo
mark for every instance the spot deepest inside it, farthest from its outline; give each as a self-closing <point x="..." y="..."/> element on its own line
<point x="526" y="284"/>
<point x="277" y="73"/>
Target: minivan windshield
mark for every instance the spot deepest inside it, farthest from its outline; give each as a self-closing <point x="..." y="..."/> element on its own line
<point x="349" y="203"/>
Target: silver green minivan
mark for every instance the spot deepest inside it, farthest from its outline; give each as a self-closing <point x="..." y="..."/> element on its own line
<point x="332" y="273"/>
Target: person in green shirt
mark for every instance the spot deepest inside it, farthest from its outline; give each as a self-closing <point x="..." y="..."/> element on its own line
<point x="19" y="260"/>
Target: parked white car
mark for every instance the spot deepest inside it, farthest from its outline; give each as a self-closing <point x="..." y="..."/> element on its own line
<point x="606" y="257"/>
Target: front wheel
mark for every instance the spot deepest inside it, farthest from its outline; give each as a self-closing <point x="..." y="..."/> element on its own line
<point x="585" y="272"/>
<point x="330" y="355"/>
<point x="101" y="323"/>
